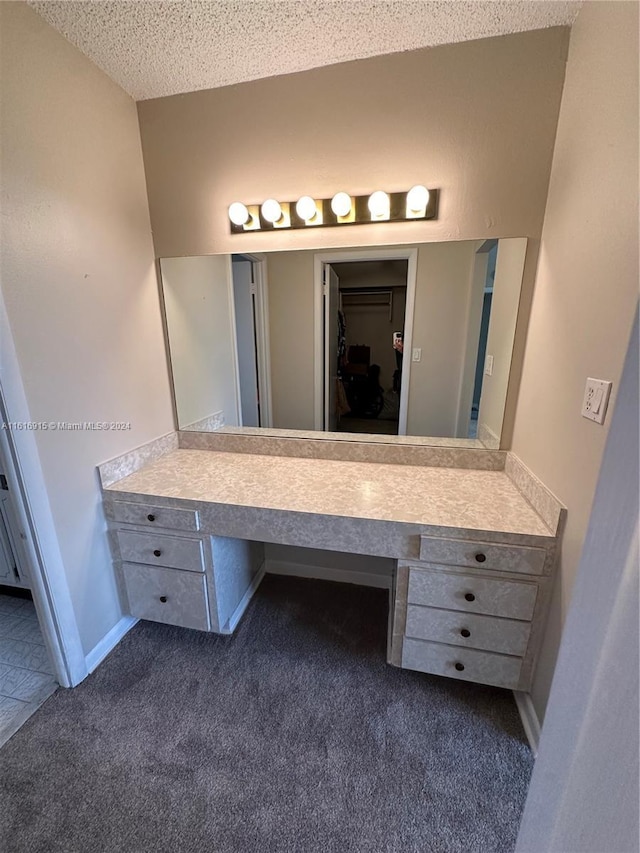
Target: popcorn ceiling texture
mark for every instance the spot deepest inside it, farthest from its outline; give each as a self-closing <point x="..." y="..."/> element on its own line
<point x="154" y="49"/>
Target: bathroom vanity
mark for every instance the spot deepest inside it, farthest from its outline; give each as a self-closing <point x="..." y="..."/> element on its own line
<point x="461" y="533"/>
<point x="473" y="537"/>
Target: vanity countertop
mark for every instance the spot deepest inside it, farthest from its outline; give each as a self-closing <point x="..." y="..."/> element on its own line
<point x="439" y="497"/>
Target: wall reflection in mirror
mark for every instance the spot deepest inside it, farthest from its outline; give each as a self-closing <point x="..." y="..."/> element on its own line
<point x="405" y="340"/>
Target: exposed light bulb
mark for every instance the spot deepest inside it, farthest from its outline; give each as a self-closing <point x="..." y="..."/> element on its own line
<point x="271" y="210"/>
<point x="306" y="208"/>
<point x="417" y="198"/>
<point x="238" y="213"/>
<point x="341" y="204"/>
<point x="379" y="204"/>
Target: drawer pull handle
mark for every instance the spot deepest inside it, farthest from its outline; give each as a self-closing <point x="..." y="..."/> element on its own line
<point x="163" y="599"/>
<point x="459" y="666"/>
<point x="465" y="632"/>
<point x="157" y="552"/>
<point x="151" y="517"/>
<point x="480" y="557"/>
<point x="469" y="596"/>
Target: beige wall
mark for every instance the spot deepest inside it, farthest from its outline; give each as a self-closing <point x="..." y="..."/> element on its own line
<point x="443" y="292"/>
<point x="502" y="327"/>
<point x="587" y="283"/>
<point x="290" y="276"/>
<point x="474" y="322"/>
<point x="79" y="285"/>
<point x="200" y="330"/>
<point x="476" y="119"/>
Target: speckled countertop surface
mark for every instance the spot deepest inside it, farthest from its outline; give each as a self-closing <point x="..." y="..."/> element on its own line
<point x="449" y="497"/>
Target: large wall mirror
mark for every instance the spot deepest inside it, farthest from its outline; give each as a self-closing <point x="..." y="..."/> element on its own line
<point x="389" y="341"/>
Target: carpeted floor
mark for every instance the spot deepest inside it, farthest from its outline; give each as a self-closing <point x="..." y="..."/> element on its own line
<point x="293" y="735"/>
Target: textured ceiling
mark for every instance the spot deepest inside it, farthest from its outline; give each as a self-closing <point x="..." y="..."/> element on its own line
<point x="163" y="47"/>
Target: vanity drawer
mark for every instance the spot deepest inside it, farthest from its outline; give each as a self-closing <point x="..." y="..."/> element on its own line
<point x="483" y="555"/>
<point x="174" y="519"/>
<point x="156" y="549"/>
<point x="468" y="664"/>
<point x="165" y="595"/>
<point x="456" y="628"/>
<point x="511" y="599"/>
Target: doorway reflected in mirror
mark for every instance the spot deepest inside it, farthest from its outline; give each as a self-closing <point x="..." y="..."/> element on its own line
<point x="370" y="319"/>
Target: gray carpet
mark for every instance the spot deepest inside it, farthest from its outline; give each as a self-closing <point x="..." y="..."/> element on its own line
<point x="293" y="735"/>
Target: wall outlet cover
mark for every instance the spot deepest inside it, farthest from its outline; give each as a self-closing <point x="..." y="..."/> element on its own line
<point x="596" y="399"/>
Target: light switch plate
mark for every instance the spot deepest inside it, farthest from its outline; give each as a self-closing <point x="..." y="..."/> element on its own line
<point x="488" y="365"/>
<point x="596" y="399"/>
<point x="416" y="354"/>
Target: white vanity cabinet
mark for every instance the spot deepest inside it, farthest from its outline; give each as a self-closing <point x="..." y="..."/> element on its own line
<point x="169" y="571"/>
<point x="472" y="610"/>
<point x="474" y="560"/>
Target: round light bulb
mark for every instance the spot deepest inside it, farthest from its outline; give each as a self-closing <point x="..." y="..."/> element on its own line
<point x="271" y="210"/>
<point x="238" y="213"/>
<point x="417" y="198"/>
<point x="341" y="204"/>
<point x="306" y="208"/>
<point x="379" y="203"/>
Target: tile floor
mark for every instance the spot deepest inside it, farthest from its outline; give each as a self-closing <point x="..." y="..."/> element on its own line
<point x="26" y="674"/>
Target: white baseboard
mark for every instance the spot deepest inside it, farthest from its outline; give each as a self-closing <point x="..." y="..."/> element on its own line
<point x="99" y="652"/>
<point x="324" y="573"/>
<point x="530" y="721"/>
<point x="236" y="616"/>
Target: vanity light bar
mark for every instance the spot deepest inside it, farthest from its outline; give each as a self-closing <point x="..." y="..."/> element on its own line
<point x="342" y="209"/>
